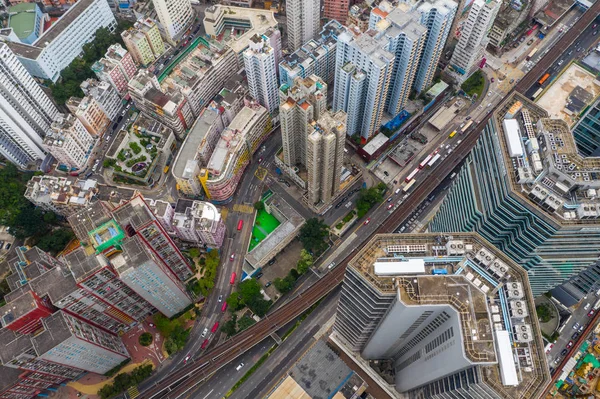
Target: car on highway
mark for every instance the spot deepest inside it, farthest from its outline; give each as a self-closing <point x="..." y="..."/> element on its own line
<point x="594" y="26"/>
<point x="214" y="327"/>
<point x="224" y="307"/>
<point x="570" y="344"/>
<point x="390" y="206"/>
<point x="595" y="33"/>
<point x="587" y="306"/>
<point x="591" y="313"/>
<point x="260" y="160"/>
<point x="187" y="357"/>
<point x="204" y="344"/>
<point x="232" y="257"/>
<point x="367" y="221"/>
<point x="220" y="299"/>
<point x="390" y="199"/>
<point x="563" y="352"/>
<point x="239" y="367"/>
<point x="576" y="326"/>
<point x="205" y="332"/>
<point x="560" y="62"/>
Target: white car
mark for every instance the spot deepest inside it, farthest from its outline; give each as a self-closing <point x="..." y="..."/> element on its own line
<point x="239" y="367"/>
<point x="205" y="332"/>
<point x="587" y="306"/>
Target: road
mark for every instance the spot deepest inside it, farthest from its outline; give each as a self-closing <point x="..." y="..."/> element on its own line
<point x="196" y="371"/>
<point x="575" y="50"/>
<point x="275" y="366"/>
<point x="579" y="317"/>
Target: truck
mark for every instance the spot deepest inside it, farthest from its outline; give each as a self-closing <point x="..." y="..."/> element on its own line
<point x="433" y="160"/>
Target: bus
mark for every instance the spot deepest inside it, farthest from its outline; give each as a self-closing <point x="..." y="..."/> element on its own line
<point x="544" y="78"/>
<point x="409" y="186"/>
<point x="232" y="279"/>
<point x="433" y="160"/>
<point x="425" y="161"/>
<point x="240" y="224"/>
<point x="452" y="134"/>
<point x="465" y="127"/>
<point x="412" y="175"/>
<point x="537" y="93"/>
<point x="531" y="54"/>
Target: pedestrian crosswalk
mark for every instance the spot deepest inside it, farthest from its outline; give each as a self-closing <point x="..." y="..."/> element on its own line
<point x="243" y="208"/>
<point x="133" y="392"/>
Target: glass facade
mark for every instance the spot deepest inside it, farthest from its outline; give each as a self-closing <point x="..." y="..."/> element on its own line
<point x="481" y="200"/>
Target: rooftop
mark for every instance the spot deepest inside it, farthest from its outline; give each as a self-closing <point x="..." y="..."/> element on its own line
<point x="82" y="265"/>
<point x="13" y="345"/>
<point x="75" y="11"/>
<point x="320" y="372"/>
<point x="17" y="308"/>
<point x="135" y="213"/>
<point x="88" y="219"/>
<point x="60" y="191"/>
<point x="257" y="22"/>
<point x="544" y="165"/>
<point x="134" y="254"/>
<point x="56" y="331"/>
<point x="194" y="139"/>
<point x="22" y="19"/>
<point x="288" y="226"/>
<point x="481" y="284"/>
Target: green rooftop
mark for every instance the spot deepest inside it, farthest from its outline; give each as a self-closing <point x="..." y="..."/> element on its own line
<point x="107" y="235"/>
<point x="22" y="19"/>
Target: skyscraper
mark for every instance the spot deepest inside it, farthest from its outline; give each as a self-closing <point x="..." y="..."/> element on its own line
<point x="26" y="112"/>
<point x="375" y="70"/>
<point x="140" y="268"/>
<point x="175" y="16"/>
<point x="442" y="317"/>
<point x="325" y="156"/>
<point x="261" y="70"/>
<point x="303" y="21"/>
<point x="527" y="190"/>
<point x="437" y="17"/>
<point x="473" y="36"/>
<point x="301" y="103"/>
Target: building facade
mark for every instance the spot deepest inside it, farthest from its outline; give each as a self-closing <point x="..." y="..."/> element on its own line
<point x="336" y="10"/>
<point x="303" y="21"/>
<point x="261" y="70"/>
<point x="26" y="112"/>
<point x="175" y="17"/>
<point x="144" y="41"/>
<point x="315" y="57"/>
<point x="325" y="157"/>
<point x="54" y="50"/>
<point x="426" y="307"/>
<point x="238" y="142"/>
<point x="105" y="95"/>
<point x="90" y="114"/>
<point x="69" y="142"/>
<point x="437" y="17"/>
<point x="473" y="37"/>
<point x="198" y="222"/>
<point x="587" y="131"/>
<point x="139" y="267"/>
<point x="117" y="68"/>
<point x="523" y="198"/>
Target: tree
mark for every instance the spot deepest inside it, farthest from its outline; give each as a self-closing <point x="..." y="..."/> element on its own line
<point x="57" y="241"/>
<point x="194" y="252"/>
<point x="249" y="290"/>
<point x="283" y="285"/>
<point x="259" y="205"/>
<point x="229" y="326"/>
<point x="163" y="325"/>
<point x="145" y="339"/>
<point x="234" y="302"/>
<point x="177" y="339"/>
<point x="313" y="236"/>
<point x="50" y="217"/>
<point x="259" y="306"/>
<point x="245" y="322"/>
<point x="28" y="222"/>
<point x="544" y="312"/>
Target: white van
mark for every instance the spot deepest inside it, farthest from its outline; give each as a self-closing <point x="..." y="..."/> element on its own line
<point x="397" y="191"/>
<point x="239" y="367"/>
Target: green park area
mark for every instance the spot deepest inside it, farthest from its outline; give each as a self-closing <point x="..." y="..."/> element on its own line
<point x="474" y="84"/>
<point x="263" y="226"/>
